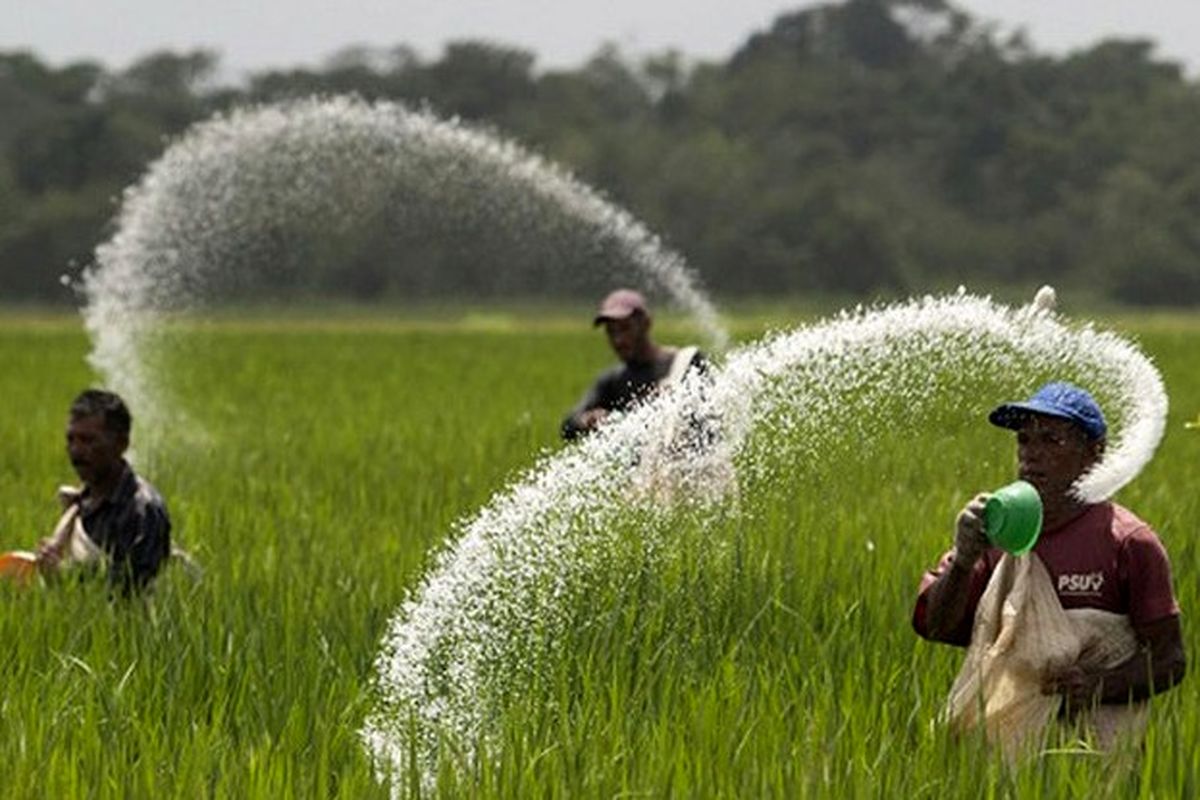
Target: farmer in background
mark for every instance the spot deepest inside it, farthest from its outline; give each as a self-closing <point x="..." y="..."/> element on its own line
<point x="115" y="516"/>
<point x="1105" y="623"/>
<point x="646" y="367"/>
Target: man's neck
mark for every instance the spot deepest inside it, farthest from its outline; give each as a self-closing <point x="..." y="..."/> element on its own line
<point x="104" y="488"/>
<point x="1055" y="515"/>
<point x="646" y="356"/>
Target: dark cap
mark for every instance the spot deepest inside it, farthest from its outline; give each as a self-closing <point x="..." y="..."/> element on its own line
<point x="621" y="304"/>
<point x="1059" y="399"/>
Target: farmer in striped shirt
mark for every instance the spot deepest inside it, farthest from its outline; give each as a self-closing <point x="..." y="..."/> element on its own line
<point x="116" y="516"/>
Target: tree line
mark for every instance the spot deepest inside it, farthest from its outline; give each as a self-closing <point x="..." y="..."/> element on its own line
<point x="861" y="148"/>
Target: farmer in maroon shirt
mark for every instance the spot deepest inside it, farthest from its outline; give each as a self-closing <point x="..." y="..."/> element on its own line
<point x="1098" y="555"/>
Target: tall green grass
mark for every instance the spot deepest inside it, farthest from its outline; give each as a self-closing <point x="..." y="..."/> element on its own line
<point x="313" y="471"/>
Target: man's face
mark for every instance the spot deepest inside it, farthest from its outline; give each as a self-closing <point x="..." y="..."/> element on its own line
<point x="627" y="335"/>
<point x="94" y="450"/>
<point x="1053" y="453"/>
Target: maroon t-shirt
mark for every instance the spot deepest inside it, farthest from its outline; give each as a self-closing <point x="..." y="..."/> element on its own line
<point x="1105" y="558"/>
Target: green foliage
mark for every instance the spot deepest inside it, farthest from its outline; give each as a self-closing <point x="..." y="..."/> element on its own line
<point x="865" y="147"/>
<point x="321" y="463"/>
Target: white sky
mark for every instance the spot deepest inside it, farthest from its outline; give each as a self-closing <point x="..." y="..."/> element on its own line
<point x="260" y="34"/>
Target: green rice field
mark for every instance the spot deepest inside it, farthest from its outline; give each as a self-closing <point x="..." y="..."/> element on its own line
<point x="314" y="465"/>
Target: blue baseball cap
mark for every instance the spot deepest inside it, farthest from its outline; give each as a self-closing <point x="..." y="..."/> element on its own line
<point x="1058" y="399"/>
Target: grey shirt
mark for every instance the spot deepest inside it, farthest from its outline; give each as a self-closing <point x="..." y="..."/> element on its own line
<point x="624" y="386"/>
<point x="133" y="529"/>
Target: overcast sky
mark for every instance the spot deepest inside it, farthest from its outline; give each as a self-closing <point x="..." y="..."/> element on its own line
<point x="258" y="34"/>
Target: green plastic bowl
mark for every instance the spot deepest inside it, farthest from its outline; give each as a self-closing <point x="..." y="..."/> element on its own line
<point x="1013" y="517"/>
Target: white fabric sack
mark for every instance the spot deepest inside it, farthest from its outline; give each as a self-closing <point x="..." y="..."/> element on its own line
<point x="1022" y="633"/>
<point x="79" y="549"/>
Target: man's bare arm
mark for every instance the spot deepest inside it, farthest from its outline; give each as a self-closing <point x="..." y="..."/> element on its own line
<point x="949" y="597"/>
<point x="948" y="601"/>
